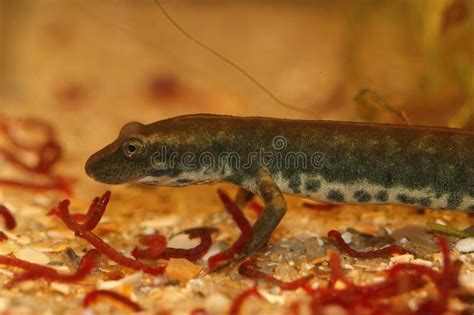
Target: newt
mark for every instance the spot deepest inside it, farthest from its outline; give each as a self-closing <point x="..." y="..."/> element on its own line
<point x="327" y="161"/>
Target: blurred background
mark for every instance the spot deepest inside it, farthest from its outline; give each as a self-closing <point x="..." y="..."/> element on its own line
<point x="88" y="67"/>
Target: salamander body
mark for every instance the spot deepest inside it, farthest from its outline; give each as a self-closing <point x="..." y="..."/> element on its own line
<point x="328" y="161"/>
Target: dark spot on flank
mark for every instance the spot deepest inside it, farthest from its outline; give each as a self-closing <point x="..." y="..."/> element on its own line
<point x="454" y="201"/>
<point x="424" y="202"/>
<point x="335" y="195"/>
<point x="362" y="196"/>
<point x="295" y="183"/>
<point x="403" y="198"/>
<point x="382" y="196"/>
<point x="471" y="208"/>
<point x="312" y="185"/>
<point x="421" y="211"/>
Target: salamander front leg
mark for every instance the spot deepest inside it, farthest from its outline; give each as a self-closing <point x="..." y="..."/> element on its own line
<point x="275" y="209"/>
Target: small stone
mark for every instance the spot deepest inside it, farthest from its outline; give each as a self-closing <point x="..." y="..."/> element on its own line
<point x="182" y="269"/>
<point x="466" y="245"/>
<point x="7" y="248"/>
<point x="272" y="298"/>
<point x="467" y="280"/>
<point x="60" y="287"/>
<point x="32" y="256"/>
<point x="61" y="234"/>
<point x="347" y="237"/>
<point x="422" y="262"/>
<point x="217" y="302"/>
<point x="160" y="222"/>
<point x="401" y="258"/>
<point x="183" y="241"/>
<point x="133" y="279"/>
<point x="4" y="304"/>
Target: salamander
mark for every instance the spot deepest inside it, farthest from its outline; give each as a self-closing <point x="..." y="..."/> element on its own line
<point x="327" y="161"/>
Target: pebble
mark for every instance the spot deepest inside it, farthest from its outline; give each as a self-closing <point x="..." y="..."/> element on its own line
<point x="60" y="287"/>
<point x="183" y="241"/>
<point x="422" y="262"/>
<point x="32" y="256"/>
<point x="160" y="222"/>
<point x="272" y="298"/>
<point x="217" y="302"/>
<point x="4" y="304"/>
<point x="401" y="258"/>
<point x="347" y="237"/>
<point x="467" y="280"/>
<point x="133" y="279"/>
<point x="466" y="245"/>
<point x="7" y="248"/>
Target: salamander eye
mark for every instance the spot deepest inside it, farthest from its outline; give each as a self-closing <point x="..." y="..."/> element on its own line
<point x="133" y="147"/>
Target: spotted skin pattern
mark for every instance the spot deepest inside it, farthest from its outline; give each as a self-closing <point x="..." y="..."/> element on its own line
<point x="328" y="161"/>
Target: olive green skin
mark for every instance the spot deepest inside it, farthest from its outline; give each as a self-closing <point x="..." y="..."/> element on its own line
<point x="438" y="160"/>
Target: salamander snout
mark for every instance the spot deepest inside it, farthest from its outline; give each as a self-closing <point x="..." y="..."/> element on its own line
<point x="124" y="160"/>
<point x="89" y="168"/>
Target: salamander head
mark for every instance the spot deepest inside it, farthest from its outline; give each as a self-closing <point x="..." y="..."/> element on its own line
<point x="124" y="160"/>
<point x="137" y="155"/>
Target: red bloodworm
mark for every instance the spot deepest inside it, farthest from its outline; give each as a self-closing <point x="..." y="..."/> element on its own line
<point x="241" y="298"/>
<point x="419" y="269"/>
<point x="337" y="274"/>
<point x="195" y="253"/>
<point x="30" y="123"/>
<point x="81" y="230"/>
<point x="294" y="308"/>
<point x="116" y="256"/>
<point x="257" y="207"/>
<point x="362" y="298"/>
<point x="34" y="271"/>
<point x="198" y="311"/>
<point x="445" y="280"/>
<point x="96" y="211"/>
<point x="92" y="296"/>
<point x="156" y="245"/>
<point x="58" y="184"/>
<point x="94" y="214"/>
<point x="245" y="228"/>
<point x="249" y="270"/>
<point x="78" y="217"/>
<point x="10" y="222"/>
<point x="148" y="240"/>
<point x="383" y="252"/>
<point x="25" y="265"/>
<point x="48" y="153"/>
<point x="401" y="278"/>
<point x="3" y="236"/>
<point x="86" y="265"/>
